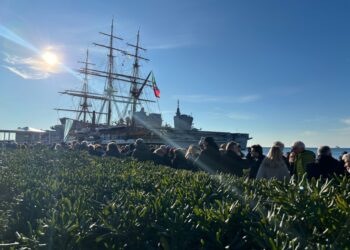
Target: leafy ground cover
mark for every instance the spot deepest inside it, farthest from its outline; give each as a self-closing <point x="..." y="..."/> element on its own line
<point x="69" y="200"/>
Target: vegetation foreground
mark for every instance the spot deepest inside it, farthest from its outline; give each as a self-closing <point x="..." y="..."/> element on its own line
<point x="69" y="200"/>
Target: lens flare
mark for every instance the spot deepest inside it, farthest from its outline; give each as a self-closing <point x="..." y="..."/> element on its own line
<point x="50" y="58"/>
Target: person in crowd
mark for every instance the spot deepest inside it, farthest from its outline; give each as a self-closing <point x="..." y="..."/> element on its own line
<point x="191" y="155"/>
<point x="222" y="148"/>
<point x="325" y="166"/>
<point x="84" y="146"/>
<point x="303" y="157"/>
<point x="249" y="153"/>
<point x="273" y="166"/>
<point x="129" y="149"/>
<point x="291" y="159"/>
<point x="160" y="156"/>
<point x="232" y="161"/>
<point x="75" y="145"/>
<point x="179" y="161"/>
<point x="341" y="156"/>
<point x="240" y="151"/>
<point x="113" y="150"/>
<point x="99" y="151"/>
<point x="209" y="158"/>
<point x="346" y="160"/>
<point x="286" y="159"/>
<point x="91" y="149"/>
<point x="141" y="151"/>
<point x="255" y="160"/>
<point x="58" y="147"/>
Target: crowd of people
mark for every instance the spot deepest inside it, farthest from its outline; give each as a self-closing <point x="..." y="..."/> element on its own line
<point x="226" y="158"/>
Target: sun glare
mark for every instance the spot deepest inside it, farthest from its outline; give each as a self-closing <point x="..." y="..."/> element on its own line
<point x="50" y="58"/>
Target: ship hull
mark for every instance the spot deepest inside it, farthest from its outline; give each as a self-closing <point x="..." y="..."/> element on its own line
<point x="168" y="136"/>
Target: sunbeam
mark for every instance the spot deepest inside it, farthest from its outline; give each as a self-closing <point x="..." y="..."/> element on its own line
<point x="48" y="57"/>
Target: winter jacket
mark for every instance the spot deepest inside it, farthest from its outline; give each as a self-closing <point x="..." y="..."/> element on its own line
<point x="180" y="163"/>
<point x="114" y="154"/>
<point x="302" y="160"/>
<point x="254" y="164"/>
<point x="142" y="153"/>
<point x="209" y="160"/>
<point x="233" y="164"/>
<point x="278" y="171"/>
<point x="324" y="166"/>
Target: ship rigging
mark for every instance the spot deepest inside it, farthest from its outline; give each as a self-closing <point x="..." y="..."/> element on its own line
<point x="111" y="99"/>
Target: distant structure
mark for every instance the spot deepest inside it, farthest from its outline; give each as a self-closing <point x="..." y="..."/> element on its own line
<point x="142" y="119"/>
<point x="182" y="122"/>
<point x="30" y="135"/>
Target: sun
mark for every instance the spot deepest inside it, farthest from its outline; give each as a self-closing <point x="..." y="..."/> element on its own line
<point x="50" y="58"/>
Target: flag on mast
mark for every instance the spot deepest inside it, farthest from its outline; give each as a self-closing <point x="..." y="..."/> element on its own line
<point x="155" y="87"/>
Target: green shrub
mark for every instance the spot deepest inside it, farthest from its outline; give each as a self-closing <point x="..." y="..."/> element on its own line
<point x="69" y="200"/>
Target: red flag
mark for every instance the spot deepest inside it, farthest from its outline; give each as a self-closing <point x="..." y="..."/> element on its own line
<point x="156" y="92"/>
<point x="155" y="87"/>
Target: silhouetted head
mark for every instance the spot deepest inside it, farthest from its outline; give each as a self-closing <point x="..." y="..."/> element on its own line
<point x="324" y="151"/>
<point x="256" y="150"/>
<point x="234" y="147"/>
<point x="298" y="146"/>
<point x="210" y="143"/>
<point x="192" y="152"/>
<point x="275" y="154"/>
<point x="280" y="145"/>
<point x="112" y="147"/>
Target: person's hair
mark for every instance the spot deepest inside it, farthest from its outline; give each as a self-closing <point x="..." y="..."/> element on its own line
<point x="257" y="148"/>
<point x="324" y="150"/>
<point x="275" y="154"/>
<point x="192" y="151"/>
<point x="160" y="151"/>
<point x="299" y="144"/>
<point x="346" y="157"/>
<point x="139" y="141"/>
<point x="112" y="146"/>
<point x="211" y="143"/>
<point x="231" y="144"/>
<point x="279" y="144"/>
<point x="179" y="153"/>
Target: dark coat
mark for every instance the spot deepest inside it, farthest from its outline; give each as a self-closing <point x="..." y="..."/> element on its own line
<point x="233" y="164"/>
<point x="254" y="164"/>
<point x="142" y="153"/>
<point x="180" y="163"/>
<point x="116" y="154"/>
<point x="161" y="160"/>
<point x="289" y="166"/>
<point x="209" y="160"/>
<point x="324" y="166"/>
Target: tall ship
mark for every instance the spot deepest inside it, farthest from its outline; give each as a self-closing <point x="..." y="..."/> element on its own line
<point x="122" y="111"/>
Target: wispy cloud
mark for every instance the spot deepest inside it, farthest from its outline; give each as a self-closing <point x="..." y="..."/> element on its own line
<point x="28" y="67"/>
<point x="248" y="98"/>
<point x="28" y="74"/>
<point x="219" y="99"/>
<point x="346" y="121"/>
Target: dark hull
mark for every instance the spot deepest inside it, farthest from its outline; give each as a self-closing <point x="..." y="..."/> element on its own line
<point x="168" y="136"/>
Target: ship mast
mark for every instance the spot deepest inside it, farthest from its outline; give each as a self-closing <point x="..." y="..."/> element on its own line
<point x="134" y="91"/>
<point x="84" y="100"/>
<point x="83" y="94"/>
<point x="109" y="97"/>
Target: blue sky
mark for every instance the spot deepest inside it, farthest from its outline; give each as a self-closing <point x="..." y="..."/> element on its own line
<point x="278" y="70"/>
